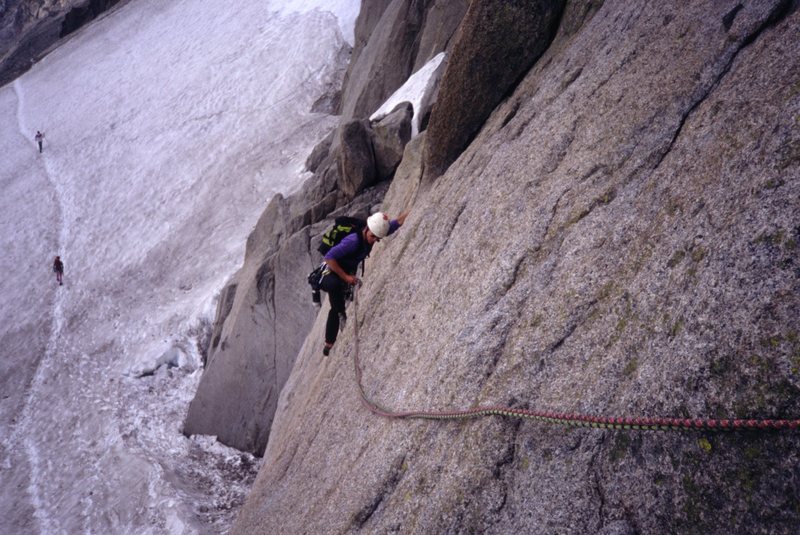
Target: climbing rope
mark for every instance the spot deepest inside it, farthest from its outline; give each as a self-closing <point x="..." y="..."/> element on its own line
<point x="566" y="419"/>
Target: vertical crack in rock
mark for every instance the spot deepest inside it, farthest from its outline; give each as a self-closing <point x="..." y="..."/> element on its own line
<point x="559" y="151"/>
<point x="307" y="239"/>
<point x="510" y="115"/>
<point x="452" y="228"/>
<point x="728" y="19"/>
<point x="514" y="274"/>
<point x="502" y="466"/>
<point x="600" y="492"/>
<point x="577" y="318"/>
<point x="287" y="463"/>
<point x="266" y="294"/>
<point x="395" y="475"/>
<point x="595" y="480"/>
<point x="778" y="13"/>
<point x="457" y="218"/>
<point x="499" y="333"/>
<point x="570" y="329"/>
<point x="553" y="213"/>
<point x="510" y="453"/>
<point x="274" y="334"/>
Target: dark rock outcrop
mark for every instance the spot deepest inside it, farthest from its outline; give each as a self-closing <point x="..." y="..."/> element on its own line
<point x="389" y="138"/>
<point x="79" y="15"/>
<point x="30" y="29"/>
<point x="619" y="239"/>
<point x="497" y="42"/>
<point x="355" y="159"/>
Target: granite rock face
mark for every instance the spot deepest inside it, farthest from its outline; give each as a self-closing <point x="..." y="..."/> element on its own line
<point x="497" y="42"/>
<point x="619" y="239"/>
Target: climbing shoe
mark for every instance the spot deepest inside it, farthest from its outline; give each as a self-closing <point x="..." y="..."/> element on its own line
<point x="327" y="350"/>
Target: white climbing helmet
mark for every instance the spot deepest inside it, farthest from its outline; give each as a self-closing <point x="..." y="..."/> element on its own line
<point x="378" y="223"/>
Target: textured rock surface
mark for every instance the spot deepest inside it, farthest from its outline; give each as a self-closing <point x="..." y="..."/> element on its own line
<point x="442" y="19"/>
<point x="389" y="138"/>
<point x="497" y="42"/>
<point x="355" y="157"/>
<point x="621" y="238"/>
<point x="31" y="28"/>
<point x="394" y="39"/>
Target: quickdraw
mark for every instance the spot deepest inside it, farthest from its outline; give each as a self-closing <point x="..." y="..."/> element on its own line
<point x="567" y="419"/>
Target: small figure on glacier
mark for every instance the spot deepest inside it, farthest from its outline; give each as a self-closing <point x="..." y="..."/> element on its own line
<point x="58" y="268"/>
<point x="39" y="137"/>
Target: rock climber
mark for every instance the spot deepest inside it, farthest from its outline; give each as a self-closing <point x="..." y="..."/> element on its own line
<point x="342" y="263"/>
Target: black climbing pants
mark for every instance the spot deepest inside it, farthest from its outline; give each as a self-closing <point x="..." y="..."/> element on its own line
<point x="336" y="289"/>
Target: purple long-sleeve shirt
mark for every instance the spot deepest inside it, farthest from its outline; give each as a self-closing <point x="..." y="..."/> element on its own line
<point x="352" y="250"/>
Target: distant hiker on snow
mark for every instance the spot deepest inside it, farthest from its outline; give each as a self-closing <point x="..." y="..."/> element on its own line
<point x="58" y="268"/>
<point x="39" y="139"/>
<point x="341" y="264"/>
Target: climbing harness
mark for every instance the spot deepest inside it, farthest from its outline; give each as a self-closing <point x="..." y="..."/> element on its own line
<point x="566" y="419"/>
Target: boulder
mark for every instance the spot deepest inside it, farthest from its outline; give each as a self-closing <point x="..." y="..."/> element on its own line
<point x="389" y="138"/>
<point x="356" y="161"/>
<point x="496" y="44"/>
